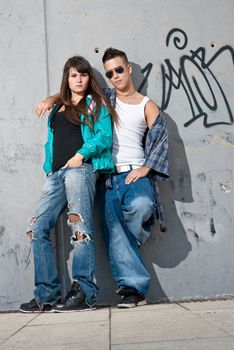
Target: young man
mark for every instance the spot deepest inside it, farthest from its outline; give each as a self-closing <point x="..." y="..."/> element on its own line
<point x="140" y="152"/>
<point x="130" y="199"/>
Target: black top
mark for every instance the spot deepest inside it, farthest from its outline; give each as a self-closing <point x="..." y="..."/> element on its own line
<point x="67" y="140"/>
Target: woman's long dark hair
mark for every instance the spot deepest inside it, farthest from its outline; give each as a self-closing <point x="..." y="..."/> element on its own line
<point x="73" y="112"/>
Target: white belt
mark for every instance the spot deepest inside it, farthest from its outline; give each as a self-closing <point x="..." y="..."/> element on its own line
<point x="124" y="168"/>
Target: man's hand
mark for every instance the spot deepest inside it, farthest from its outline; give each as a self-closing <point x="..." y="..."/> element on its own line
<point x="74" y="162"/>
<point x="136" y="174"/>
<point x="46" y="105"/>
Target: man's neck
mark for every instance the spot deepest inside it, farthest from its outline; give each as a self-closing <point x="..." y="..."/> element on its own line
<point x="126" y="93"/>
<point x="129" y="96"/>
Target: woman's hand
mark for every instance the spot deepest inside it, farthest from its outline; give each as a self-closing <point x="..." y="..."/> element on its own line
<point x="136" y="174"/>
<point x="46" y="105"/>
<point x="74" y="162"/>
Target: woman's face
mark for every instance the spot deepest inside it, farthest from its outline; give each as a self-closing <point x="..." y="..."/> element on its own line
<point x="78" y="82"/>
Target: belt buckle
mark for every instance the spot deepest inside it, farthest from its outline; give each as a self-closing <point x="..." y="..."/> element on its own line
<point x="123" y="168"/>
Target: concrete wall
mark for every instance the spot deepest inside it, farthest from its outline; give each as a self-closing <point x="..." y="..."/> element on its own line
<point x="192" y="79"/>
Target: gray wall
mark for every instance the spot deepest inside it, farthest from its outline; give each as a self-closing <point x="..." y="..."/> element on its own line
<point x="194" y="258"/>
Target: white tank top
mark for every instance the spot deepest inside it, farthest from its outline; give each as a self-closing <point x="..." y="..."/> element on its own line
<point x="127" y="137"/>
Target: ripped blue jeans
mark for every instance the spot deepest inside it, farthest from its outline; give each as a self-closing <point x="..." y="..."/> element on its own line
<point x="129" y="215"/>
<point x="74" y="187"/>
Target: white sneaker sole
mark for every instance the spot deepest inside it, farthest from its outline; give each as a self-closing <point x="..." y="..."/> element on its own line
<point x="129" y="306"/>
<point x="36" y="311"/>
<point x="81" y="310"/>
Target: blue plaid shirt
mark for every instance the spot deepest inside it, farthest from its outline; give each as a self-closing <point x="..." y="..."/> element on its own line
<point x="156" y="151"/>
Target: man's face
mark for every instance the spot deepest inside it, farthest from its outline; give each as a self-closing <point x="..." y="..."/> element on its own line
<point x="119" y="72"/>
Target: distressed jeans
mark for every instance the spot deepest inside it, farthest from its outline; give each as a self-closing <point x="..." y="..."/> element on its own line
<point x="129" y="215"/>
<point x="74" y="187"/>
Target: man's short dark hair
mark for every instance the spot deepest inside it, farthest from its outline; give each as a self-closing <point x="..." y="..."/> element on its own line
<point x="112" y="53"/>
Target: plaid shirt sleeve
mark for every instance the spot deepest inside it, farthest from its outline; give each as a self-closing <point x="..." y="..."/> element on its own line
<point x="156" y="149"/>
<point x="156" y="158"/>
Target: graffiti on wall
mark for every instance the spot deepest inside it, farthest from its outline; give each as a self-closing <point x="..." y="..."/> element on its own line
<point x="199" y="100"/>
<point x="147" y="69"/>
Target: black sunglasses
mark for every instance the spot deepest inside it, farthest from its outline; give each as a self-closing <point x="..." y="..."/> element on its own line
<point x="110" y="73"/>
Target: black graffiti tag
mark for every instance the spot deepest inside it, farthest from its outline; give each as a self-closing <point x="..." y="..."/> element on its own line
<point x="146" y="69"/>
<point x="177" y="78"/>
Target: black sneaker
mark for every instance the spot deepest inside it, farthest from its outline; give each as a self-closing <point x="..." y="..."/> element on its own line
<point x="124" y="290"/>
<point x="129" y="301"/>
<point x="33" y="307"/>
<point x="75" y="300"/>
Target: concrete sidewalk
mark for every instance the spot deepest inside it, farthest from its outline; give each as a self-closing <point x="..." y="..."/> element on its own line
<point x="183" y="326"/>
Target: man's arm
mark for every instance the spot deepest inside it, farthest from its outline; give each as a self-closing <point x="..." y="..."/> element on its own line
<point x="151" y="112"/>
<point x="47" y="104"/>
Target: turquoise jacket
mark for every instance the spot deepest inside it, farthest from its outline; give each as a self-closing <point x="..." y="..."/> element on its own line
<point x="97" y="142"/>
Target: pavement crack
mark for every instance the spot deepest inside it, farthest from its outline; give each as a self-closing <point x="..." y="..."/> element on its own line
<point x="18" y="330"/>
<point x="213" y="323"/>
<point x="184" y="307"/>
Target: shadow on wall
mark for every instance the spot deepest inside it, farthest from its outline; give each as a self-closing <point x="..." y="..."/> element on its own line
<point x="164" y="249"/>
<point x="167" y="249"/>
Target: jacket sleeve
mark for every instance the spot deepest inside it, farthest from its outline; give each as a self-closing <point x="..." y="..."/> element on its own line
<point x="100" y="138"/>
<point x="49" y="146"/>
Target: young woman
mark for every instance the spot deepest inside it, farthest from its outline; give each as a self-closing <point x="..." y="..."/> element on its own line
<point x="78" y="147"/>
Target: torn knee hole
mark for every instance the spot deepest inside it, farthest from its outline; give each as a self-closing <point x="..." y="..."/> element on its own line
<point x="30" y="234"/>
<point x="78" y="236"/>
<point x="32" y="220"/>
<point x="75" y="218"/>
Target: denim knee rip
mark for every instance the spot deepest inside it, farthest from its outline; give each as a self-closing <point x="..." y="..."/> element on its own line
<point x="78" y="228"/>
<point x="30" y="232"/>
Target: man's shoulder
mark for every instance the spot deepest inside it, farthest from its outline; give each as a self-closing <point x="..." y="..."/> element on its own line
<point x="149" y="102"/>
<point x="152" y="105"/>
